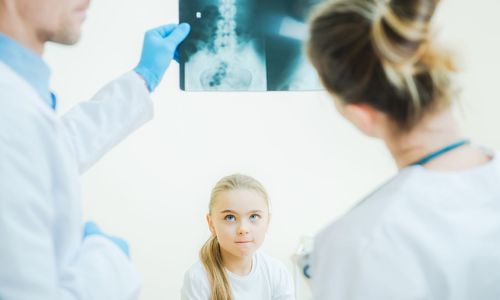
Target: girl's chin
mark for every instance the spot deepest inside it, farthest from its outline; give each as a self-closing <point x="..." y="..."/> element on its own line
<point x="245" y="253"/>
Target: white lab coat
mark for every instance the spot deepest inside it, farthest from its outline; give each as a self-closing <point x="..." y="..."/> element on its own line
<point x="42" y="156"/>
<point x="425" y="235"/>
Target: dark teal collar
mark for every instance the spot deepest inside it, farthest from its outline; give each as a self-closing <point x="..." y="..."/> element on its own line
<point x="28" y="65"/>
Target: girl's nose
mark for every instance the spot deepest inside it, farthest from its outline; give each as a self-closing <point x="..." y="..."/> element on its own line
<point x="243" y="230"/>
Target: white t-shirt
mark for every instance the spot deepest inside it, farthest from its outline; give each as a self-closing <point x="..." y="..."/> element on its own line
<point x="424" y="235"/>
<point x="268" y="280"/>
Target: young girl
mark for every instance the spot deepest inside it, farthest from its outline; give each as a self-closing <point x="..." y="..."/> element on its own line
<point x="230" y="268"/>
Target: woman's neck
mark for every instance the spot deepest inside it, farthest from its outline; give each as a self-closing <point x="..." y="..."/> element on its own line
<point x="434" y="132"/>
<point x="239" y="265"/>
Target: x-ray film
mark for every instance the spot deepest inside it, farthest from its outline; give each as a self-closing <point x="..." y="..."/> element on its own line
<point x="246" y="45"/>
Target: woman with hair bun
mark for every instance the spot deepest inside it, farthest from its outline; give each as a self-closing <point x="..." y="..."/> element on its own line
<point x="432" y="231"/>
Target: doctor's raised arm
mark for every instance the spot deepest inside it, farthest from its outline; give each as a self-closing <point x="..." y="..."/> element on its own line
<point x="46" y="250"/>
<point x="123" y="105"/>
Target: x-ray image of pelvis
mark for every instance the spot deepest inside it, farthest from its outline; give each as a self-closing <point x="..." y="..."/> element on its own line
<point x="246" y="45"/>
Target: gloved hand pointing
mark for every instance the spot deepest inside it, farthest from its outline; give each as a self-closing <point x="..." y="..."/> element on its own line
<point x="91" y="228"/>
<point x="160" y="45"/>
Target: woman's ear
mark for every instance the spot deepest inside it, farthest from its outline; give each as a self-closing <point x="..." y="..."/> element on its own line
<point x="210" y="224"/>
<point x="366" y="118"/>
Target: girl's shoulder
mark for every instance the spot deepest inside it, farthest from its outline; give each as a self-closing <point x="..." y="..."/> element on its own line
<point x="270" y="264"/>
<point x="276" y="274"/>
<point x="196" y="285"/>
<point x="196" y="274"/>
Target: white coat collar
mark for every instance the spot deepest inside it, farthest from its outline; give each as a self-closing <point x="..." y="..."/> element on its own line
<point x="28" y="65"/>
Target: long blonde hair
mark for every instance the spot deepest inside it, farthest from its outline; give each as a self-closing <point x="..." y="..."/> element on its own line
<point x="382" y="53"/>
<point x="210" y="253"/>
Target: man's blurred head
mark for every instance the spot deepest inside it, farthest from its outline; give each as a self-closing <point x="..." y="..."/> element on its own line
<point x="35" y="22"/>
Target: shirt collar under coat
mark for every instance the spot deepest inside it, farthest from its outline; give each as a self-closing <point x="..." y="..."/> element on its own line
<point x="28" y="65"/>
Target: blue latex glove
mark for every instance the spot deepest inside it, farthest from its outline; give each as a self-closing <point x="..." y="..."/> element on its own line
<point x="159" y="48"/>
<point x="91" y="228"/>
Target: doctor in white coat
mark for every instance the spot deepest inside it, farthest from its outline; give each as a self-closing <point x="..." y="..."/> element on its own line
<point x="433" y="231"/>
<point x="46" y="252"/>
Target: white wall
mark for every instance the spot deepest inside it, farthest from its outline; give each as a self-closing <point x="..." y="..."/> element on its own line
<point x="153" y="188"/>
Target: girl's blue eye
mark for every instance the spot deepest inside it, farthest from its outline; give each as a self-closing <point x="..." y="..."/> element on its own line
<point x="229" y="218"/>
<point x="254" y="217"/>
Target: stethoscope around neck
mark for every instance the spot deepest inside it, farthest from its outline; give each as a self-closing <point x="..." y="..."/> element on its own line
<point x="433" y="155"/>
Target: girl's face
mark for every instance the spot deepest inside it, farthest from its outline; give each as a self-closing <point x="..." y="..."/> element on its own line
<point x="239" y="219"/>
